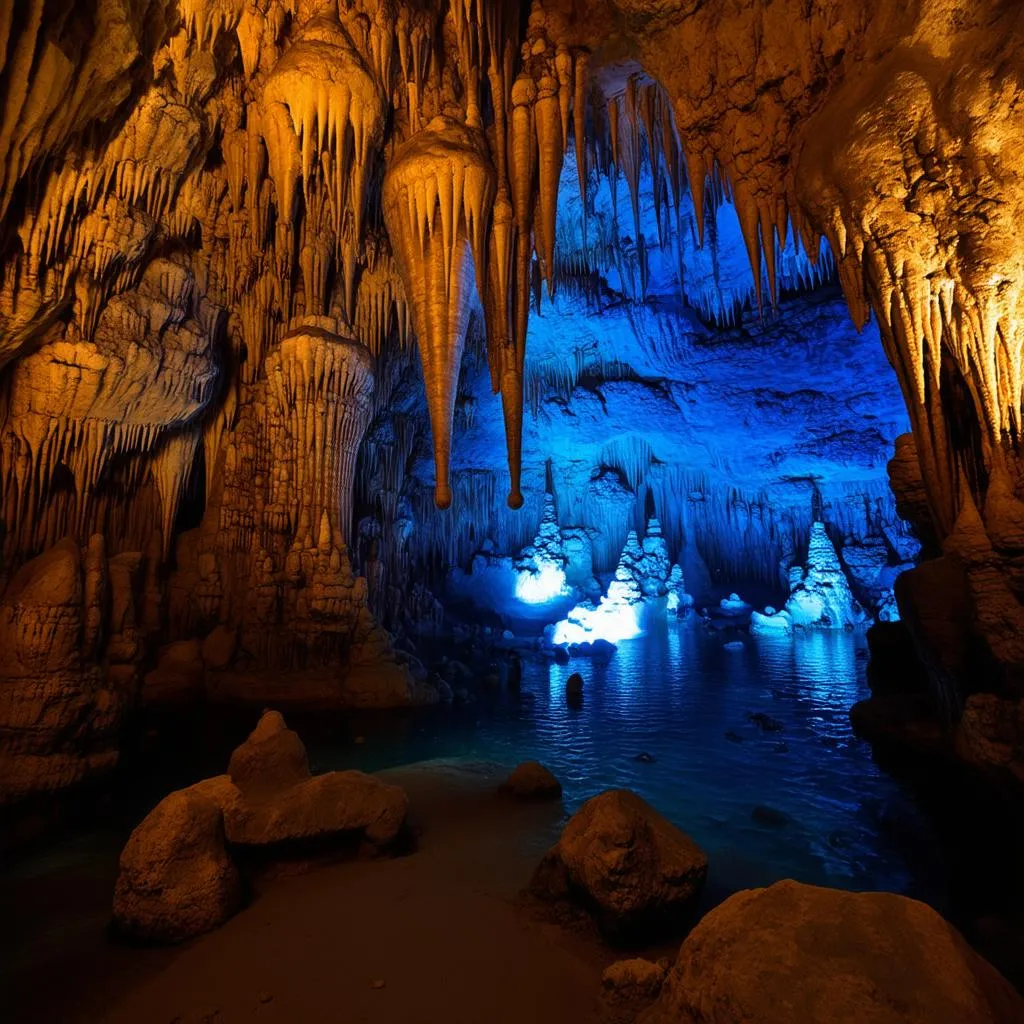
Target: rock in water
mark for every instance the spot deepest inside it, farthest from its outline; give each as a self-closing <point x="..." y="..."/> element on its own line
<point x="176" y="879"/>
<point x="799" y="953"/>
<point x="531" y="781"/>
<point x="574" y="686"/>
<point x="624" y="864"/>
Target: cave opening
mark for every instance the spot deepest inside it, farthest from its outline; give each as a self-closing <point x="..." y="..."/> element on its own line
<point x="593" y="428"/>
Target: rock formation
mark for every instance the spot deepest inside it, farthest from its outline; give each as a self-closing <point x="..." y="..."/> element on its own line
<point x="619" y="861"/>
<point x="223" y="228"/>
<point x="820" y="595"/>
<point x="774" y="955"/>
<point x="177" y="877"/>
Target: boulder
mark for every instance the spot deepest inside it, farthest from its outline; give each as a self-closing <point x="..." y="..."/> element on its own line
<point x="796" y="952"/>
<point x="531" y="781"/>
<point x="337" y="806"/>
<point x="624" y="864"/>
<point x="176" y="879"/>
<point x="271" y="759"/>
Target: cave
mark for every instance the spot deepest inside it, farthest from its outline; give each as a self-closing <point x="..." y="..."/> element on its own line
<point x="512" y="508"/>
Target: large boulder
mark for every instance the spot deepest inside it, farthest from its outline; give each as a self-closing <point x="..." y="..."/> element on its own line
<point x="796" y="952"/>
<point x="176" y="879"/>
<point x="624" y="864"/>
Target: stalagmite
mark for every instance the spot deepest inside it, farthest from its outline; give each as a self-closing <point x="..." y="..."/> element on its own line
<point x="437" y="197"/>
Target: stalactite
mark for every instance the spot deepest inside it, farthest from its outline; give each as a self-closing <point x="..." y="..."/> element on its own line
<point x="437" y="196"/>
<point x="171" y="466"/>
<point x="323" y="118"/>
<point x="322" y="384"/>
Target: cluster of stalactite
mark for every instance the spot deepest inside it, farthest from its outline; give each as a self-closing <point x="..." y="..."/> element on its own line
<point x="183" y="185"/>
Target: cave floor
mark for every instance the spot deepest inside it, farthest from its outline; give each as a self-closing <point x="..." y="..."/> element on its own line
<point x="440" y="928"/>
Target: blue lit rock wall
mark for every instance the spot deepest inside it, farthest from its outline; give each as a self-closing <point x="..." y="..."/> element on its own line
<point x="643" y="389"/>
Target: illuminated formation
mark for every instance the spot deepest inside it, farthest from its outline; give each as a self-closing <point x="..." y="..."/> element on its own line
<point x="820" y="595"/>
<point x="605" y="235"/>
<point x="540" y="568"/>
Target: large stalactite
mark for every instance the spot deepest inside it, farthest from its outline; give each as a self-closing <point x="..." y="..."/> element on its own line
<point x="223" y="224"/>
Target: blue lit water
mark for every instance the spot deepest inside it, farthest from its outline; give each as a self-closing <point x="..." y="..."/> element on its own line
<point x="828" y="814"/>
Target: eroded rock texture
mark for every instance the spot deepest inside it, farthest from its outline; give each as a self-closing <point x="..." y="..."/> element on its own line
<point x="223" y="225"/>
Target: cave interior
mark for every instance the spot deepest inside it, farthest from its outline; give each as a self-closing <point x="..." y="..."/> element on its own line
<point x="555" y="374"/>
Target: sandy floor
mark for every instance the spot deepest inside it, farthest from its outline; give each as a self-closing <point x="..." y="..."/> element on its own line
<point x="439" y="928"/>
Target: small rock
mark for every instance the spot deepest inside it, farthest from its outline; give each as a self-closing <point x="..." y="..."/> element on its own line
<point x="271" y="759"/>
<point x="264" y="997"/>
<point x="765" y="722"/>
<point x="574" y="685"/>
<point x="644" y="758"/>
<point x="378" y="983"/>
<point x="634" y="979"/>
<point x="531" y="781"/>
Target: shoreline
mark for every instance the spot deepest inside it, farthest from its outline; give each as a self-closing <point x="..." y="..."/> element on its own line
<point x="442" y="927"/>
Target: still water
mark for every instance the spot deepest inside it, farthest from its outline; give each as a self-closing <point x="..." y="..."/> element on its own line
<point x="749" y="750"/>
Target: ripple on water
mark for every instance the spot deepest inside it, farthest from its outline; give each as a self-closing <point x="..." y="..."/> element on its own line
<point x="726" y="731"/>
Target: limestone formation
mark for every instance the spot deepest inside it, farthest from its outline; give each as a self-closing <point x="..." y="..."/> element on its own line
<point x="820" y="595"/>
<point x="176" y="879"/>
<point x="777" y="955"/>
<point x="621" y="862"/>
<point x="67" y="672"/>
<point x="270" y="799"/>
<point x="224" y="227"/>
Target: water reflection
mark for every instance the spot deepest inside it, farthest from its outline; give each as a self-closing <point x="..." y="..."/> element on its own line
<point x="730" y="730"/>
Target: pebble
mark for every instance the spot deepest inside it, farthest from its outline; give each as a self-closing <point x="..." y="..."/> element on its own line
<point x="378" y="983"/>
<point x="264" y="997"/>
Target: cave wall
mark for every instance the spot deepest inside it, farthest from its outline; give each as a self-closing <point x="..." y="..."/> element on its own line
<point x="228" y="229"/>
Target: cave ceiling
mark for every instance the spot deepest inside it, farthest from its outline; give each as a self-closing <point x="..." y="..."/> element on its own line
<point x="223" y="223"/>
